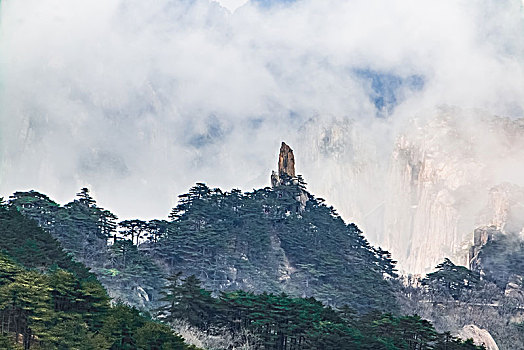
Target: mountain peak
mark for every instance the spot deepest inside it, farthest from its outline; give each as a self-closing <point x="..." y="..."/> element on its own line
<point x="286" y="161"/>
<point x="286" y="166"/>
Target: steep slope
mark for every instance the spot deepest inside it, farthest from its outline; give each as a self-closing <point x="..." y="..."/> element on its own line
<point x="264" y="241"/>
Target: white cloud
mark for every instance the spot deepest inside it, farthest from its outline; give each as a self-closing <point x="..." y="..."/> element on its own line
<point x="232" y="5"/>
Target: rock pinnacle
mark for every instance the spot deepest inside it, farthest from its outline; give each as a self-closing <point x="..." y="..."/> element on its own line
<point x="286" y="166"/>
<point x="286" y="161"/>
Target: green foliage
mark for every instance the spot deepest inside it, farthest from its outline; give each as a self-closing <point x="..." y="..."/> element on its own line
<point x="84" y="229"/>
<point x="184" y="299"/>
<point x="133" y="229"/>
<point x="7" y="343"/>
<point x="25" y="304"/>
<point x="156" y="336"/>
<point x="281" y="322"/>
<point x="48" y="301"/>
<point x="128" y="329"/>
<point x="8" y="270"/>
<point x="120" y="325"/>
<point x="451" y="280"/>
<point x="26" y="243"/>
<point x="276" y="240"/>
<point x="270" y="236"/>
<point x="58" y="311"/>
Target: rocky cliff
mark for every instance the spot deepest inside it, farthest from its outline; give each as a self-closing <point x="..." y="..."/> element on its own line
<point x="422" y="190"/>
<point x="286" y="161"/>
<point x="286" y="166"/>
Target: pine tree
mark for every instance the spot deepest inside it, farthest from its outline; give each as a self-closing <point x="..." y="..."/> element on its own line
<point x="451" y="279"/>
<point x="133" y="229"/>
<point x="25" y="306"/>
<point x="156" y="336"/>
<point x="85" y="198"/>
<point x="186" y="300"/>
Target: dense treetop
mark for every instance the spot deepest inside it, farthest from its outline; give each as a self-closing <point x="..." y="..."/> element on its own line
<point x="280" y="239"/>
<point x="281" y="322"/>
<point x="300" y="247"/>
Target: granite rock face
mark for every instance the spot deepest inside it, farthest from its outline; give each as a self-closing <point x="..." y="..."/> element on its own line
<point x="479" y="336"/>
<point x="286" y="166"/>
<point x="286" y="161"/>
<point x="481" y="236"/>
<point x="449" y="176"/>
<point x="421" y="192"/>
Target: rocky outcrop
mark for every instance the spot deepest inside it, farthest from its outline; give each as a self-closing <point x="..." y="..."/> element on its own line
<point x="514" y="288"/>
<point x="286" y="161"/>
<point x="479" y="336"/>
<point x="481" y="236"/>
<point x="286" y="174"/>
<point x="503" y="214"/>
<point x="286" y="166"/>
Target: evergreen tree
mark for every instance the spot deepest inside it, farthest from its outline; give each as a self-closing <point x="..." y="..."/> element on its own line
<point x="185" y="299"/>
<point x="25" y="307"/>
<point x="134" y="229"/>
<point x="85" y="198"/>
<point x="452" y="280"/>
<point x="156" y="336"/>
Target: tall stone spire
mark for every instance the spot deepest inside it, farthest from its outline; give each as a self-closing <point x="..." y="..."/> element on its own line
<point x="286" y="176"/>
<point x="286" y="161"/>
<point x="286" y="166"/>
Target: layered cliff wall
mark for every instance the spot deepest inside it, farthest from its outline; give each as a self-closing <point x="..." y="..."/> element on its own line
<point x="422" y="193"/>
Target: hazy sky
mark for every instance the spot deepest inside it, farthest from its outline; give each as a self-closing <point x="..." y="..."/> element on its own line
<point x="232" y="5"/>
<point x="141" y="99"/>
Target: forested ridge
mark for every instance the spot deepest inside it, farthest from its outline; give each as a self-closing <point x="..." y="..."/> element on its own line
<point x="262" y="269"/>
<point x="264" y="240"/>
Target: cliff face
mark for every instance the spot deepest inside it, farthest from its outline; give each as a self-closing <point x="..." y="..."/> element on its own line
<point x="447" y="176"/>
<point x="286" y="166"/>
<point x="286" y="161"/>
<point x="423" y="192"/>
<point x="435" y="179"/>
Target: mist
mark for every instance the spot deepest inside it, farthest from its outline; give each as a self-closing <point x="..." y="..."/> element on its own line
<point x="139" y="100"/>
